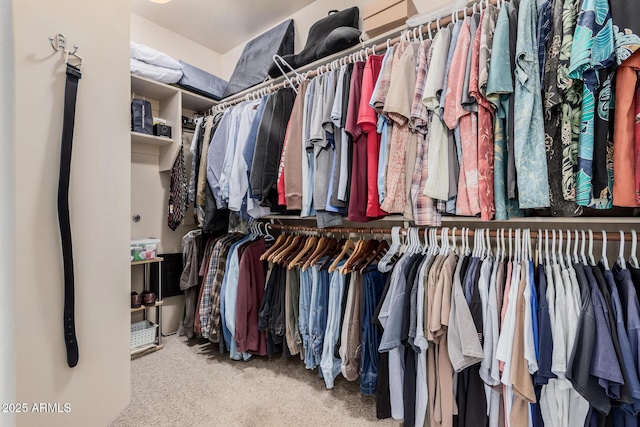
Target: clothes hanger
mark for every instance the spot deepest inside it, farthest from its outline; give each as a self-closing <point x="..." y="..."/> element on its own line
<point x="454" y="241"/>
<point x="560" y="257"/>
<point x="433" y="249"/>
<point x="383" y="245"/>
<point x="285" y="245"/>
<point x="467" y="242"/>
<point x="444" y="237"/>
<point x="620" y="259"/>
<point x="349" y="244"/>
<point x="289" y="247"/>
<point x="395" y="245"/>
<point x="575" y="248"/>
<point x="582" y="255"/>
<point x="546" y="248"/>
<point x="530" y="249"/>
<point x="362" y="247"/>
<point x="603" y="257"/>
<point x="324" y="245"/>
<point x="633" y="261"/>
<point x="510" y="245"/>
<point x="539" y="249"/>
<point x="310" y="243"/>
<point x="568" y="251"/>
<point x="590" y="254"/>
<point x="425" y="247"/>
<point x="331" y="254"/>
<point x="279" y="241"/>
<point x="268" y="235"/>
<point x="286" y="258"/>
<point x="554" y="259"/>
<point x="419" y="248"/>
<point x="475" y="245"/>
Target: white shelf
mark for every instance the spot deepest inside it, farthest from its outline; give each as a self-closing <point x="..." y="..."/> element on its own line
<point x="143" y="138"/>
<point x="194" y="102"/>
<point x="144" y="87"/>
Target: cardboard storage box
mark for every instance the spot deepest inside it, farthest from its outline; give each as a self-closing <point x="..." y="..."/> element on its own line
<point x="143" y="249"/>
<point x="385" y="15"/>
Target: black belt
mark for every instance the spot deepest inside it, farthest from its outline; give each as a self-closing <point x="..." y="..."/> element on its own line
<point x="70" y="95"/>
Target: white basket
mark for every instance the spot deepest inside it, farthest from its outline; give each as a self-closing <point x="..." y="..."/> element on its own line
<point x="143" y="333"/>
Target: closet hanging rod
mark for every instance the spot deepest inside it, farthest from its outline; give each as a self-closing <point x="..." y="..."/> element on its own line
<point x="612" y="236"/>
<point x="422" y="30"/>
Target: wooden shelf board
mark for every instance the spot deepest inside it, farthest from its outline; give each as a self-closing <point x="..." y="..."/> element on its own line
<point x="144" y="307"/>
<point x="148" y="261"/>
<point x="144" y="350"/>
<point x="143" y="138"/>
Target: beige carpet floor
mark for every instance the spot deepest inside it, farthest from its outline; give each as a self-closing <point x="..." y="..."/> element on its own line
<point x="192" y="384"/>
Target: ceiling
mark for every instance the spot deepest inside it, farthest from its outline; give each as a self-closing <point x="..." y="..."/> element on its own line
<point x="218" y="25"/>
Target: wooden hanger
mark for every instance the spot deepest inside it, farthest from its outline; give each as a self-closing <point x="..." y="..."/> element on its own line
<point x="293" y="251"/>
<point x="281" y="247"/>
<point x="360" y="255"/>
<point x="288" y="248"/>
<point x="279" y="241"/>
<point x="348" y="244"/>
<point x="352" y="257"/>
<point x="338" y="247"/>
<point x="324" y="246"/>
<point x="308" y="248"/>
<point x="377" y="255"/>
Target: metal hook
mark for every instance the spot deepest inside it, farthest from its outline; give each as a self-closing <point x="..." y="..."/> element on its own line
<point x="58" y="42"/>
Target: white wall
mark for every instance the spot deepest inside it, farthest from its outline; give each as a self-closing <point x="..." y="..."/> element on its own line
<point x="306" y="17"/>
<point x="173" y="44"/>
<point x="99" y="387"/>
<point x="7" y="384"/>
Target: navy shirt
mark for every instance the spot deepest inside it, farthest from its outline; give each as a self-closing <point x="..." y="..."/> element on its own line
<point x="579" y="367"/>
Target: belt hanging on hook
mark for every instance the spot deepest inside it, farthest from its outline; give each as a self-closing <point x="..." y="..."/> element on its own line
<point x="73" y="73"/>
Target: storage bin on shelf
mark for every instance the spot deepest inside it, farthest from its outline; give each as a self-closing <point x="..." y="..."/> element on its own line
<point x="143" y="333"/>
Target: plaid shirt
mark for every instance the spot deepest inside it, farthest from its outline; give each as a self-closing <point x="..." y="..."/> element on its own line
<point x="204" y="267"/>
<point x="424" y="210"/>
<point x="215" y="274"/>
<point x="419" y="113"/>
